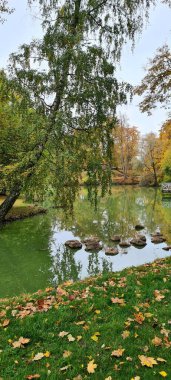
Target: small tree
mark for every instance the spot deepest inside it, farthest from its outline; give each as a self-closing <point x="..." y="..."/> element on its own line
<point x="151" y="157"/>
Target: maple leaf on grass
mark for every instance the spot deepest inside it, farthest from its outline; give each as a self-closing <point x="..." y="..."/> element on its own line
<point x="70" y="338"/>
<point x="118" y="353"/>
<point x="147" y="361"/>
<point x="5" y="323"/>
<point x="30" y="377"/>
<point x="139" y="318"/>
<point x="63" y="333"/>
<point x="91" y="366"/>
<point x="163" y="373"/>
<point x="125" y="334"/>
<point x="67" y="354"/>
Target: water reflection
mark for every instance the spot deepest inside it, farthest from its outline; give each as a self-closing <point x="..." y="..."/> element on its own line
<point x="32" y="251"/>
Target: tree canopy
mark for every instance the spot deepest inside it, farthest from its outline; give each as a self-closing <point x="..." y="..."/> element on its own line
<point x="156" y="85"/>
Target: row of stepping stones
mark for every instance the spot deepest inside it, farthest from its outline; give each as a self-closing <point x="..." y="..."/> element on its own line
<point x="93" y="243"/>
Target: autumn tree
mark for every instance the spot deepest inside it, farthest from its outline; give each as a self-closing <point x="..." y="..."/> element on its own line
<point x="156" y="85"/>
<point x="67" y="81"/>
<point x="151" y="154"/>
<point x="165" y="141"/>
<point x="126" y="146"/>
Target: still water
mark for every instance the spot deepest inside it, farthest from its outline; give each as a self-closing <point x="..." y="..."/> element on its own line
<point x="32" y="251"/>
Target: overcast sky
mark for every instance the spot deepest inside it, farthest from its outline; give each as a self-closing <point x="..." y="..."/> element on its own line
<point x="22" y="26"/>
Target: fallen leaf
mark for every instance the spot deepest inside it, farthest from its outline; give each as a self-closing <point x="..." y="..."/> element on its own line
<point x="135" y="378"/>
<point x="79" y="337"/>
<point x="117" y="300"/>
<point x="2" y="314"/>
<point x="147" y="361"/>
<point x="21" y="342"/>
<point x="163" y="373"/>
<point x="47" y="354"/>
<point x="161" y="360"/>
<point x="97" y="311"/>
<point x="157" y="341"/>
<point x="139" y="318"/>
<point x="65" y="368"/>
<point x="158" y="296"/>
<point x="95" y="338"/>
<point x="30" y="377"/>
<point x="63" y="333"/>
<point x="125" y="334"/>
<point x="91" y="366"/>
<point x="6" y="322"/>
<point x="70" y="338"/>
<point x="67" y="354"/>
<point x="38" y="356"/>
<point x="118" y="353"/>
<point x="80" y="323"/>
<point x="108" y="378"/>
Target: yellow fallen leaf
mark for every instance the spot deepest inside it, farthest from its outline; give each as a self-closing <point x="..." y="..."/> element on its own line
<point x="66" y="354"/>
<point x="161" y="360"/>
<point x="79" y="337"/>
<point x="163" y="373"/>
<point x="65" y="368"/>
<point x="147" y="361"/>
<point x="38" y="356"/>
<point x="95" y="338"/>
<point x="125" y="334"/>
<point x="118" y="353"/>
<point x="108" y="378"/>
<point x="117" y="300"/>
<point x="47" y="354"/>
<point x="91" y="366"/>
<point x="97" y="311"/>
<point x="135" y="378"/>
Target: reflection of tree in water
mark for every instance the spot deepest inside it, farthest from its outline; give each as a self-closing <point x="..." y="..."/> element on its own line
<point x="64" y="265"/>
<point x="97" y="265"/>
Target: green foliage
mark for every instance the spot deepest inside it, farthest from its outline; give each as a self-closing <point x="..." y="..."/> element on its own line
<point x="156" y="85"/>
<point x="4" y="9"/>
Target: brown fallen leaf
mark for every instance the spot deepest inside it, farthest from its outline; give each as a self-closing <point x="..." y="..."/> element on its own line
<point x="30" y="377"/>
<point x="5" y="323"/>
<point x="2" y="314"/>
<point x="139" y="318"/>
<point x="157" y="341"/>
<point x="147" y="361"/>
<point x="21" y="342"/>
<point x="158" y="296"/>
<point x="118" y="353"/>
<point x="91" y="366"/>
<point x="80" y="323"/>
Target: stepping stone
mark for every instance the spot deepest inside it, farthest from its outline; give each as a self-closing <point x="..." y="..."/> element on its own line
<point x="138" y="242"/>
<point x="158" y="239"/>
<point x="111" y="251"/>
<point x="74" y="244"/>
<point x="116" y="238"/>
<point x="93" y="246"/>
<point x="124" y="244"/>
<point x="139" y="227"/>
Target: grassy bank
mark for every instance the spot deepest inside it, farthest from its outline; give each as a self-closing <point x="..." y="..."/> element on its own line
<point x="111" y="327"/>
<point x="22" y="210"/>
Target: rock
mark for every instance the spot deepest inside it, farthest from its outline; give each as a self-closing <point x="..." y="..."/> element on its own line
<point x="137" y="242"/>
<point x="157" y="234"/>
<point x="91" y="240"/>
<point x="139" y="227"/>
<point x="93" y="246"/>
<point x="142" y="237"/>
<point x="111" y="251"/>
<point x="166" y="248"/>
<point x="124" y="244"/>
<point x="116" y="238"/>
<point x="158" y="239"/>
<point x="73" y="244"/>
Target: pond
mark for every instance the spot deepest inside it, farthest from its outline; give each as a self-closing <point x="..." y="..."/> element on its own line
<point x="33" y="254"/>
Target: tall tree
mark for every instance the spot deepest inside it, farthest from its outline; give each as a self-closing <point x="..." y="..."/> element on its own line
<point x="156" y="85"/>
<point x="67" y="78"/>
<point x="151" y="154"/>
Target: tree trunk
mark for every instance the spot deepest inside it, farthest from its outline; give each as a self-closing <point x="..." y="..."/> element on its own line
<point x="8" y="203"/>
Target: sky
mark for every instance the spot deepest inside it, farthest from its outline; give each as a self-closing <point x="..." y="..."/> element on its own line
<point x="24" y="25"/>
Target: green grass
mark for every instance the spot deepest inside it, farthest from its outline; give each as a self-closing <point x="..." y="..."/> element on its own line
<point x="89" y="302"/>
<point x="22" y="210"/>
